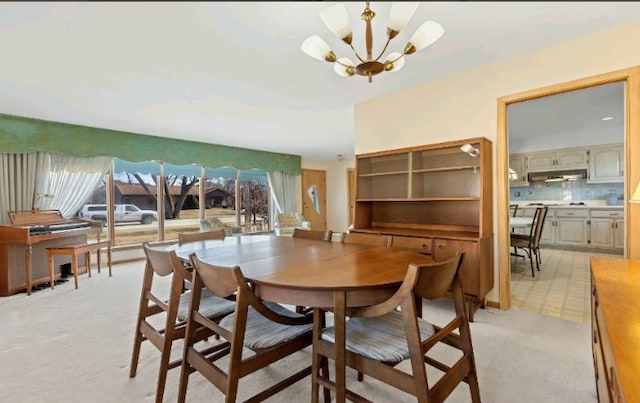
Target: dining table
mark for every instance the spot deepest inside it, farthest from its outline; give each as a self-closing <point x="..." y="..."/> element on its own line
<point x="305" y="272"/>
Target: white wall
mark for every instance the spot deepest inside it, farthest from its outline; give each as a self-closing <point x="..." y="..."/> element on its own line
<point x="464" y="105"/>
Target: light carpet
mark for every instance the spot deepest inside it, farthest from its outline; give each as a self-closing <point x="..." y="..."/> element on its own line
<point x="68" y="345"/>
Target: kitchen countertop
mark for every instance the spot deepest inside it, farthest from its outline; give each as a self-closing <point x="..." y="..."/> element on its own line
<point x="574" y="206"/>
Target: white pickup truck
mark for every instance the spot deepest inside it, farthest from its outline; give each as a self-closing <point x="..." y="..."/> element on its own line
<point x="122" y="213"/>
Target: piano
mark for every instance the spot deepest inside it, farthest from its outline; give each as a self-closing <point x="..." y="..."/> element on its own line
<point x="24" y="243"/>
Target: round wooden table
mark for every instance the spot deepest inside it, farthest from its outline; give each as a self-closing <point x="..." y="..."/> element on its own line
<point x="312" y="273"/>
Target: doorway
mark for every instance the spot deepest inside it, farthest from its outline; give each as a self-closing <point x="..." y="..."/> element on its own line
<point x="632" y="119"/>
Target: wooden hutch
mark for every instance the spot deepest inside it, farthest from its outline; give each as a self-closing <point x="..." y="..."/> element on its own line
<point x="435" y="198"/>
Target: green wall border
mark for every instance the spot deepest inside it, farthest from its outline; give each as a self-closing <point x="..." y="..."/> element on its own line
<point x="21" y="135"/>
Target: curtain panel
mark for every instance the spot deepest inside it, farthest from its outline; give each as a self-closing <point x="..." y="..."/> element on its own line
<point x="23" y="135"/>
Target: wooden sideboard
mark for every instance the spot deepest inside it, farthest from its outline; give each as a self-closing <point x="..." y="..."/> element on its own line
<point x="615" y="322"/>
<point x="434" y="198"/>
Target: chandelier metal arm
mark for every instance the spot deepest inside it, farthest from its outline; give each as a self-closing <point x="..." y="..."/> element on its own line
<point x="356" y="53"/>
<point x="385" y="49"/>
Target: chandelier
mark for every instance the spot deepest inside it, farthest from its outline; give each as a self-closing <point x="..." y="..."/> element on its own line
<point x="336" y="19"/>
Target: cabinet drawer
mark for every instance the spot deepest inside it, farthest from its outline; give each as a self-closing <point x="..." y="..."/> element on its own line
<point x="607" y="213"/>
<point x="573" y="213"/>
<point x="422" y="245"/>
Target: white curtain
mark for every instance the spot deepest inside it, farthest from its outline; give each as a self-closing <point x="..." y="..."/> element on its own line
<point x="18" y="178"/>
<point x="69" y="182"/>
<point x="284" y="188"/>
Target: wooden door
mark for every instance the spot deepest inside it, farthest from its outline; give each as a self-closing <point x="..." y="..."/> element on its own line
<point x="314" y="198"/>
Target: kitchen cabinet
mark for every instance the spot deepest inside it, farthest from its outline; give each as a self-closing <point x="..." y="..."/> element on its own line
<point x="607" y="229"/>
<point x="606" y="164"/>
<point x="563" y="226"/>
<point x="569" y="158"/>
<point x="571" y="227"/>
<point x="518" y="162"/>
<point x="433" y="192"/>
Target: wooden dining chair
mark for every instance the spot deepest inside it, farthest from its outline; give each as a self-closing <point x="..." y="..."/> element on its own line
<point x="530" y="243"/>
<point x="312" y="234"/>
<point x="316" y="235"/>
<point x="185" y="237"/>
<point x="365" y="239"/>
<point x="379" y="337"/>
<point x="162" y="332"/>
<point x="270" y="331"/>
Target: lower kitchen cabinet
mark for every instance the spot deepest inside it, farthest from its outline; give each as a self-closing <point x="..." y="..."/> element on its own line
<point x="607" y="229"/>
<point x="581" y="227"/>
<point x="565" y="226"/>
<point x="572" y="227"/>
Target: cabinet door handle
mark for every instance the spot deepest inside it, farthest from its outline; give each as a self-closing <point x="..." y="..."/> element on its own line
<point x="440" y="246"/>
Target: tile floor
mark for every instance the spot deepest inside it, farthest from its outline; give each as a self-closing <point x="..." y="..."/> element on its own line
<point x="560" y="289"/>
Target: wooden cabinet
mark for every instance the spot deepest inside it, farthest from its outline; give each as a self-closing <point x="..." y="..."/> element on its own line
<point x="561" y="159"/>
<point x="564" y="226"/>
<point x="422" y="245"/>
<point x="518" y="162"/>
<point x="606" y="164"/>
<point x="607" y="229"/>
<point x="615" y="318"/>
<point x="432" y="192"/>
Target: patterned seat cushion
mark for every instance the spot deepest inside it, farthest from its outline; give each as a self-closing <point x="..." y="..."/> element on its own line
<point x="264" y="333"/>
<point x="381" y="338"/>
<point x="210" y="305"/>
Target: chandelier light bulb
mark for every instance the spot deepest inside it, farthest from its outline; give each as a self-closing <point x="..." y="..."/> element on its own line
<point x="317" y="48"/>
<point x="400" y="14"/>
<point x="425" y="35"/>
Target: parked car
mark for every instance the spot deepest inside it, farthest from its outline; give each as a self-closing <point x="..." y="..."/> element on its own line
<point x="122" y="213"/>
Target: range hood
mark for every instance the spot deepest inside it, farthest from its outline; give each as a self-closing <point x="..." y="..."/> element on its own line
<point x="558" y="176"/>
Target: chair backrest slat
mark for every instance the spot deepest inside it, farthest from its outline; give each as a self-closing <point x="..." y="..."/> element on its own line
<point x="221" y="281"/>
<point x="434" y="280"/>
<point x="313" y="234"/>
<point x="185" y="237"/>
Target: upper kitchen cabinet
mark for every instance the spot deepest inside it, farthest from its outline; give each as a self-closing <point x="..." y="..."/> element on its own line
<point x="518" y="163"/>
<point x="569" y="158"/>
<point x="606" y="164"/>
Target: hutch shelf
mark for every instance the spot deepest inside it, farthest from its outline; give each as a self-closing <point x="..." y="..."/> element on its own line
<point x="434" y="198"/>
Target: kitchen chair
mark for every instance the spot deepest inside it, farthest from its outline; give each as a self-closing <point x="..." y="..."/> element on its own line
<point x="513" y="208"/>
<point x="270" y="331"/>
<point x="185" y="237"/>
<point x="379" y="337"/>
<point x="153" y="307"/>
<point x="366" y="239"/>
<point x="312" y="234"/>
<point x="530" y="243"/>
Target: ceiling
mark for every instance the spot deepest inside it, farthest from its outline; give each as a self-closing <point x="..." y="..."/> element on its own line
<point x="233" y="73"/>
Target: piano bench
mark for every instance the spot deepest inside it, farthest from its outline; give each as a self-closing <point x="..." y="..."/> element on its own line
<point x="75" y="250"/>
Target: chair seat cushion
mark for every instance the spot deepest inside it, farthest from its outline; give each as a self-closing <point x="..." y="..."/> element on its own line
<point x="264" y="333"/>
<point x="381" y="338"/>
<point x="210" y="305"/>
